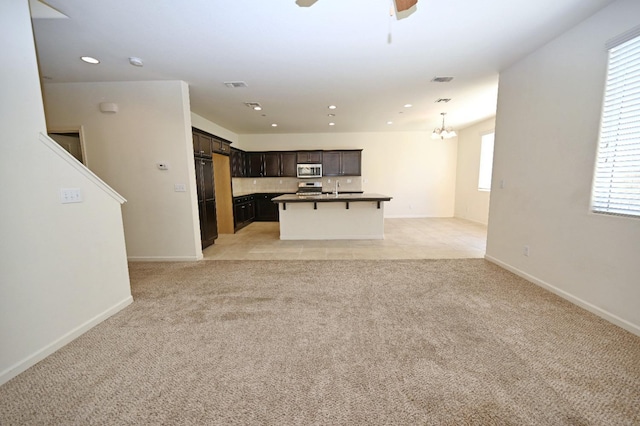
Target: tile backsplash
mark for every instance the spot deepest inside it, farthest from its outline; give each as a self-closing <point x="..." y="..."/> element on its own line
<point x="242" y="186"/>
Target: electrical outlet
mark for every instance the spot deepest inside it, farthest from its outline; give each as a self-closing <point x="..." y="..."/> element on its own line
<point x="525" y="251"/>
<point x="180" y="187"/>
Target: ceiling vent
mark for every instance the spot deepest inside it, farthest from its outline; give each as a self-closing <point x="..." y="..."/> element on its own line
<point x="442" y="100"/>
<point x="235" y="84"/>
<point x="254" y="105"/>
<point x="441" y="79"/>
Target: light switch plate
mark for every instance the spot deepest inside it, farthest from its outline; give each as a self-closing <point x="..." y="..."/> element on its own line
<point x="70" y="195"/>
<point x="180" y="187"/>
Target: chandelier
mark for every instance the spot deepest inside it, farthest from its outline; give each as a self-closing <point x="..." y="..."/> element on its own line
<point x="443" y="132"/>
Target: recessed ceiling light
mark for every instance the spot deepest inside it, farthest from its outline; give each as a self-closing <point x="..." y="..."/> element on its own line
<point x="331" y="115"/>
<point x="332" y="107"/>
<point x="332" y="124"/>
<point x="274" y="125"/>
<point x="257" y="108"/>
<point x="408" y="105"/>
<point x="389" y="122"/>
<point x="136" y="62"/>
<point x="90" y="60"/>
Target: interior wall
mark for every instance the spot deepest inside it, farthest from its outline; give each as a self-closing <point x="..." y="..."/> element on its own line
<point x="548" y="116"/>
<point x="152" y="125"/>
<point x="63" y="267"/>
<point x="208" y="126"/>
<point x="471" y="204"/>
<point x="417" y="171"/>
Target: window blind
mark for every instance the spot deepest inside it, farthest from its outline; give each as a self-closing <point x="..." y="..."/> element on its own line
<point x="616" y="186"/>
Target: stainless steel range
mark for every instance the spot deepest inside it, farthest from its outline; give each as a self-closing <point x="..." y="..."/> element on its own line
<point x="309" y="188"/>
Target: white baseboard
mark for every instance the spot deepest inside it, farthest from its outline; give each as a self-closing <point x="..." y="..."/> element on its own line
<point x="164" y="258"/>
<point x="620" y="322"/>
<point x="41" y="354"/>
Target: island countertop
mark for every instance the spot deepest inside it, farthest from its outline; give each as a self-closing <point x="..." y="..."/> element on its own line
<point x="328" y="198"/>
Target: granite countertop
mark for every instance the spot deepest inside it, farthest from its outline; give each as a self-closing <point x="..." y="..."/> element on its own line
<point x="244" y="194"/>
<point x="327" y="198"/>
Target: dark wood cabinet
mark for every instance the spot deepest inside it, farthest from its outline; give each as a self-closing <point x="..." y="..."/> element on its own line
<point x="237" y="163"/>
<point x="342" y="163"/>
<point x="202" y="145"/>
<point x="288" y="164"/>
<point x="254" y="164"/>
<point x="206" y="201"/>
<point x="205" y="144"/>
<point x="271" y="167"/>
<point x="309" y="157"/>
<point x="244" y="211"/>
<point x="220" y="146"/>
<point x="266" y="210"/>
<point x="270" y="164"/>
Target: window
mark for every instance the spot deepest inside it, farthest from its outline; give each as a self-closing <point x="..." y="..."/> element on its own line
<point x="486" y="162"/>
<point x="616" y="182"/>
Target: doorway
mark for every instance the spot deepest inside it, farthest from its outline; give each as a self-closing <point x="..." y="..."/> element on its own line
<point x="71" y="142"/>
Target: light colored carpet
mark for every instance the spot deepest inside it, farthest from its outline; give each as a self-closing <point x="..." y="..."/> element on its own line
<point x="401" y="342"/>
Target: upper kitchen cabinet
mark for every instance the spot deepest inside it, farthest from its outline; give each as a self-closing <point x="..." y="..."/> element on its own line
<point x="271" y="166"/>
<point x="342" y="163"/>
<point x="309" y="157"/>
<point x="237" y="163"/>
<point x="205" y="144"/>
<point x="254" y="163"/>
<point x="221" y="146"/>
<point x="202" y="145"/>
<point x="288" y="164"/>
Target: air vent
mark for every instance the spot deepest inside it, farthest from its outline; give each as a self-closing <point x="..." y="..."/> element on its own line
<point x="254" y="105"/>
<point x="235" y="84"/>
<point x="442" y="100"/>
<point x="441" y="79"/>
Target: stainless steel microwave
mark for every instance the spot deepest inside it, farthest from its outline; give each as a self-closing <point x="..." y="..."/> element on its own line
<point x="309" y="170"/>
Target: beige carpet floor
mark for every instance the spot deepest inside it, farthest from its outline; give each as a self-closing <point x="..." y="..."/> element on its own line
<point x="393" y="342"/>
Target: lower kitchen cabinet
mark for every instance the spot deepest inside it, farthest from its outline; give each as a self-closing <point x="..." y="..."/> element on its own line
<point x="244" y="211"/>
<point x="266" y="210"/>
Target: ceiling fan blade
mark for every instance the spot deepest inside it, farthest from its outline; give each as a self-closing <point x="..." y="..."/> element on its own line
<point x="402" y="5"/>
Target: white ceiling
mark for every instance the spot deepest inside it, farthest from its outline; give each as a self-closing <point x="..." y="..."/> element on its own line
<point x="298" y="60"/>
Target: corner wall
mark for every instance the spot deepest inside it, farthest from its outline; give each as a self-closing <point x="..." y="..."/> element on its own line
<point x="63" y="267"/>
<point x="547" y="126"/>
<point x="417" y="171"/>
<point x="153" y="125"/>
<point x="471" y="204"/>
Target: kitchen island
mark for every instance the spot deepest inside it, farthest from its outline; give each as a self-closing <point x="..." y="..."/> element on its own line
<point x="331" y="216"/>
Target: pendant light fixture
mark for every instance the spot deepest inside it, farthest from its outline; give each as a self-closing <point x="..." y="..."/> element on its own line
<point x="443" y="132"/>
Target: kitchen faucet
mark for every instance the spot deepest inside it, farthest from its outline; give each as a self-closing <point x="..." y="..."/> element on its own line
<point x="337" y="186"/>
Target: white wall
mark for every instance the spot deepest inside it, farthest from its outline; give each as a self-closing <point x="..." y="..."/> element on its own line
<point x="417" y="171"/>
<point x="153" y="125"/>
<point x="548" y="116"/>
<point x="63" y="267"/>
<point x="471" y="204"/>
<point x="202" y="123"/>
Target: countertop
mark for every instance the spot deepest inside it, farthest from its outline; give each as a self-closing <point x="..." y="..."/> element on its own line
<point x="327" y="198"/>
<point x="244" y="194"/>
